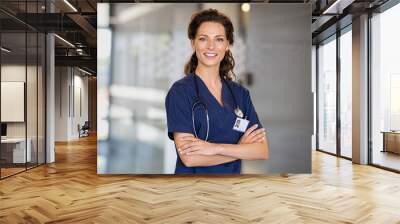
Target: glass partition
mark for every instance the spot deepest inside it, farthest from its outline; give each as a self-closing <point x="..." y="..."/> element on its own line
<point x="327" y="95"/>
<point x="13" y="110"/>
<point x="22" y="89"/>
<point x="346" y="93"/>
<point x="31" y="99"/>
<point x="41" y="96"/>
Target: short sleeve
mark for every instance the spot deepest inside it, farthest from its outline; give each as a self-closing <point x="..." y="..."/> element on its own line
<point x="178" y="111"/>
<point x="251" y="111"/>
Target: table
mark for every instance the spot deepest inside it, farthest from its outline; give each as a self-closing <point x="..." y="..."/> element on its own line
<point x="16" y="147"/>
<point x="391" y="141"/>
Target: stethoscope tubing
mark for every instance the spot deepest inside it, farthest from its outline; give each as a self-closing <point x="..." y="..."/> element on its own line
<point x="199" y="102"/>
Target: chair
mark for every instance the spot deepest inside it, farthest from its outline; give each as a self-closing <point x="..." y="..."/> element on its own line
<point x="84" y="130"/>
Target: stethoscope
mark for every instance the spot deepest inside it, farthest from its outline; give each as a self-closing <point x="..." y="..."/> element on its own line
<point x="199" y="102"/>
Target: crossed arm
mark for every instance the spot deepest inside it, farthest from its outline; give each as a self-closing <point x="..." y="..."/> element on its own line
<point x="196" y="152"/>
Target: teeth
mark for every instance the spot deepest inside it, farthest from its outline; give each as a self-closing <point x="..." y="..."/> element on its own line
<point x="210" y="54"/>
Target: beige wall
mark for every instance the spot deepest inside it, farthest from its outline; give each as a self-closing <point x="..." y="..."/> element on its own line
<point x="360" y="90"/>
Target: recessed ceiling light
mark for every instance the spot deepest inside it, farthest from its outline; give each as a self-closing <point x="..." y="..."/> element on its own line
<point x="64" y="40"/>
<point x="86" y="72"/>
<point x="337" y="7"/>
<point x="245" y="7"/>
<point x="70" y="5"/>
<point x="5" y="50"/>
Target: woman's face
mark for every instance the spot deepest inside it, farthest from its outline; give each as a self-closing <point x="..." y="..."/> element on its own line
<point x="210" y="44"/>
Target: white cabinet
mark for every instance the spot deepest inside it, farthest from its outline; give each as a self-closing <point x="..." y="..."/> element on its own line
<point x="18" y="146"/>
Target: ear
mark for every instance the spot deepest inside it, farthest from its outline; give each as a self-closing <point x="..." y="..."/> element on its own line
<point x="192" y="43"/>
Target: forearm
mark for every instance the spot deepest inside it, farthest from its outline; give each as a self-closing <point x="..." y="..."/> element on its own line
<point x="196" y="152"/>
<point x="252" y="151"/>
<point x="204" y="160"/>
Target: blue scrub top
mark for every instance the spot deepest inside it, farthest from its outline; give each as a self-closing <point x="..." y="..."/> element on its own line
<point x="178" y="104"/>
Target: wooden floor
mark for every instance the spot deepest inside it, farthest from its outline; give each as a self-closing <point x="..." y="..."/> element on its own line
<point x="387" y="159"/>
<point x="70" y="191"/>
<point x="10" y="171"/>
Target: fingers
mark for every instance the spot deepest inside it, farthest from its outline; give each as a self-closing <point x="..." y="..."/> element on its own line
<point x="183" y="146"/>
<point x="257" y="132"/>
<point x="255" y="136"/>
<point x="247" y="137"/>
<point x="250" y="130"/>
<point x="189" y="145"/>
<point x="183" y="141"/>
<point x="260" y="139"/>
<point x="190" y="150"/>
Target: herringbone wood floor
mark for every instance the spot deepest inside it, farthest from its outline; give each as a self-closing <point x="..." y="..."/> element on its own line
<point x="70" y="191"/>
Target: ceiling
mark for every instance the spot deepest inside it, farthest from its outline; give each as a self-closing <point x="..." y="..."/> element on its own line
<point x="332" y="15"/>
<point x="73" y="21"/>
<point x="76" y="20"/>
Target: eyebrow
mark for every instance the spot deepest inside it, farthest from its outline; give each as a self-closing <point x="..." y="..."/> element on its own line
<point x="215" y="36"/>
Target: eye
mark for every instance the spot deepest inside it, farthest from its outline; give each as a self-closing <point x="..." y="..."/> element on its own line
<point x="220" y="39"/>
<point x="202" y="39"/>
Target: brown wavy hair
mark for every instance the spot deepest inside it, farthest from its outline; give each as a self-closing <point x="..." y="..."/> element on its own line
<point x="228" y="62"/>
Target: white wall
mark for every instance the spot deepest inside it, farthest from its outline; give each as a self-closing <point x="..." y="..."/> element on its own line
<point x="61" y="103"/>
<point x="12" y="73"/>
<point x="71" y="94"/>
<point x="33" y="126"/>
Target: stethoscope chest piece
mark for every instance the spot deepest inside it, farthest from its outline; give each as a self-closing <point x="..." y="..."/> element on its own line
<point x="239" y="112"/>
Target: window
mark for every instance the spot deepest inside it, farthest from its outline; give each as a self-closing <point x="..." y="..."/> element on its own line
<point x="385" y="88"/>
<point x="346" y="93"/>
<point x="327" y="96"/>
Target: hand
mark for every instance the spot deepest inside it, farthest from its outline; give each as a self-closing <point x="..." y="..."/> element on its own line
<point x="195" y="146"/>
<point x="252" y="135"/>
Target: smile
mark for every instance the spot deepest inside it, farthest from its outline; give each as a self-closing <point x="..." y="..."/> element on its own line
<point x="210" y="55"/>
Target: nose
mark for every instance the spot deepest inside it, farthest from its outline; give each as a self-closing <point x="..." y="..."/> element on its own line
<point x="210" y="44"/>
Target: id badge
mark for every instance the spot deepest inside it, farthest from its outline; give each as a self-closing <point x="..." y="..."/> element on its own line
<point x="240" y="124"/>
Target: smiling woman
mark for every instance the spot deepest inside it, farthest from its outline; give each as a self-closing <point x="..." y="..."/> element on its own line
<point x="211" y="118"/>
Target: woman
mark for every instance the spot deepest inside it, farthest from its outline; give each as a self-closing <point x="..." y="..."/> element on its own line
<point x="210" y="118"/>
